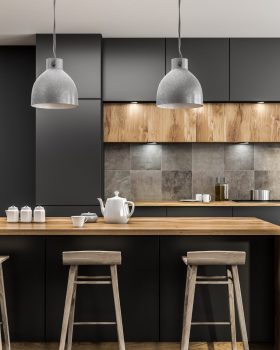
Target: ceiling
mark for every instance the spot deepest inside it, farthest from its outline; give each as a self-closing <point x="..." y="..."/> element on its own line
<point x="21" y="19"/>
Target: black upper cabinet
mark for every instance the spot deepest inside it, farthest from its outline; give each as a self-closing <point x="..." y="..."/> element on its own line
<point x="68" y="155"/>
<point x="254" y="69"/>
<point x="208" y="61"/>
<point x="17" y="126"/>
<point x="81" y="55"/>
<point x="132" y="69"/>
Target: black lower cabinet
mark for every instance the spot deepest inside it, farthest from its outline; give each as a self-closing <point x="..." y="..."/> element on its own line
<point x="199" y="211"/>
<point x="150" y="211"/>
<point x="138" y="283"/>
<point x="262" y="275"/>
<point x="24" y="274"/>
<point x="211" y="302"/>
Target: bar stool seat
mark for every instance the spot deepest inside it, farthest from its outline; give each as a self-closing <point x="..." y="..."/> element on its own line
<point x="74" y="259"/>
<point x="230" y="259"/>
<point x="215" y="258"/>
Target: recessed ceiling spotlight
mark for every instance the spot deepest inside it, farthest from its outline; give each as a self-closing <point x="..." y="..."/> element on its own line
<point x="151" y="143"/>
<point x="243" y="143"/>
<point x="134" y="102"/>
<point x="260" y="102"/>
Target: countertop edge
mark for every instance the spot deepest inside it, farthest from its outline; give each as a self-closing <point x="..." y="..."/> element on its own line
<point x="201" y="204"/>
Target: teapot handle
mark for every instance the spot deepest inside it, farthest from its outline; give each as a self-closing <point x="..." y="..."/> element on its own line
<point x="132" y="209"/>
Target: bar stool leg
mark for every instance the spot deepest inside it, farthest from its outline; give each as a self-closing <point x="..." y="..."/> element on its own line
<point x="0" y="338"/>
<point x="68" y="301"/>
<point x="115" y="286"/>
<point x="72" y="315"/>
<point x="4" y="314"/>
<point x="188" y="306"/>
<point x="231" y="310"/>
<point x="240" y="309"/>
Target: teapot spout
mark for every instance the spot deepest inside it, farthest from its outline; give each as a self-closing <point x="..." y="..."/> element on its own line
<point x="101" y="205"/>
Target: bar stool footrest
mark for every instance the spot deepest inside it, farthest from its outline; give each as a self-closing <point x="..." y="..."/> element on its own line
<point x="210" y="323"/>
<point x="94" y="323"/>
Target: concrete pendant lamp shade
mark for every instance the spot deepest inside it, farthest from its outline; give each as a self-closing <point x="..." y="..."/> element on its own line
<point x="54" y="89"/>
<point x="179" y="88"/>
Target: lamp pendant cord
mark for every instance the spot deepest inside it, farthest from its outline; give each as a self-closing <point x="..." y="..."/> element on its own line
<point x="54" y="30"/>
<point x="179" y="29"/>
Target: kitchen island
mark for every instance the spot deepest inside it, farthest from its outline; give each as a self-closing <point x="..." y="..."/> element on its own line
<point x="208" y="226"/>
<point x="151" y="277"/>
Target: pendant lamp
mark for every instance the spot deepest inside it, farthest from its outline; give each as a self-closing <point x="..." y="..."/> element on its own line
<point x="179" y="88"/>
<point x="54" y="89"/>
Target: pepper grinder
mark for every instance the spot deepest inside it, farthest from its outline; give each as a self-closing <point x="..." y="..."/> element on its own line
<point x="221" y="189"/>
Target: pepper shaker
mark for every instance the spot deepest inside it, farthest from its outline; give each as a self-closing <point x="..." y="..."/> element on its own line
<point x="25" y="214"/>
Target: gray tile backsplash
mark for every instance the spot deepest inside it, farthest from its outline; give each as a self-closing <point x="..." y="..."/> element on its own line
<point x="174" y="171"/>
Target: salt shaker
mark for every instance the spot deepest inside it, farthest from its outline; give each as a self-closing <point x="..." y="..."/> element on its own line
<point x="26" y="214"/>
<point x="39" y="214"/>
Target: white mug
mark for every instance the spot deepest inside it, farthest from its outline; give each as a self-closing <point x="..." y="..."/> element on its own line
<point x="78" y="220"/>
<point x="199" y="197"/>
<point x="206" y="198"/>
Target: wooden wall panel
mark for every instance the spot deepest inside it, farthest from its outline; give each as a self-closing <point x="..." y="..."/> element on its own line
<point x="216" y="122"/>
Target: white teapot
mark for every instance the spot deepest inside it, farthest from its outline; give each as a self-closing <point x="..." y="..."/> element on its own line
<point x="116" y="210"/>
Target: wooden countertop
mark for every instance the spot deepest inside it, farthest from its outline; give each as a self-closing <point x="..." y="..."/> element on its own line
<point x="152" y="226"/>
<point x="211" y="204"/>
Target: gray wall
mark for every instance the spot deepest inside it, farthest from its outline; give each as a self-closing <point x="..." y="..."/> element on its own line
<point x="174" y="171"/>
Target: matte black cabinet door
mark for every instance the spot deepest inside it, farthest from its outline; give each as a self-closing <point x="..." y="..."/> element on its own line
<point x="254" y="69"/>
<point x="68" y="155"/>
<point x="132" y="69"/>
<point x="262" y="275"/>
<point x="17" y="127"/>
<point x="199" y="211"/>
<point x="81" y="55"/>
<point x="24" y="274"/>
<point x="138" y="283"/>
<point x="208" y="61"/>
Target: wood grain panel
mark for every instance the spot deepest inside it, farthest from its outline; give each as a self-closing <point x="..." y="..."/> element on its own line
<point x="216" y="122"/>
<point x="147" y="226"/>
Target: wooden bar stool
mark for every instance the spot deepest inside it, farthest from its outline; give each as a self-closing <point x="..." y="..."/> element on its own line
<point x="4" y="315"/>
<point x="74" y="259"/>
<point x="230" y="259"/>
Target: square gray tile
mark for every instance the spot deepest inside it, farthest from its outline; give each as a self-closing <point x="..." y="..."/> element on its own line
<point x="117" y="180"/>
<point x="268" y="180"/>
<point x="145" y="157"/>
<point x="176" y="185"/>
<point x="239" y="157"/>
<point x="204" y="182"/>
<point x="177" y="156"/>
<point x="146" y="185"/>
<point x="240" y="183"/>
<point x="208" y="157"/>
<point x="267" y="156"/>
<point x="117" y="156"/>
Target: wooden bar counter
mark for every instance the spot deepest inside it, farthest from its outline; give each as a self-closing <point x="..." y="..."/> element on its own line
<point x="148" y="226"/>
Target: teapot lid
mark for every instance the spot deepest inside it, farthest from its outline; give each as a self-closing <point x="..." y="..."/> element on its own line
<point x="13" y="207"/>
<point x="26" y="207"/>
<point x="116" y="197"/>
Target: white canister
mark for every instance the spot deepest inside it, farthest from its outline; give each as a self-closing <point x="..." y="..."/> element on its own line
<point x="26" y="214"/>
<point x="39" y="214"/>
<point x="12" y="214"/>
